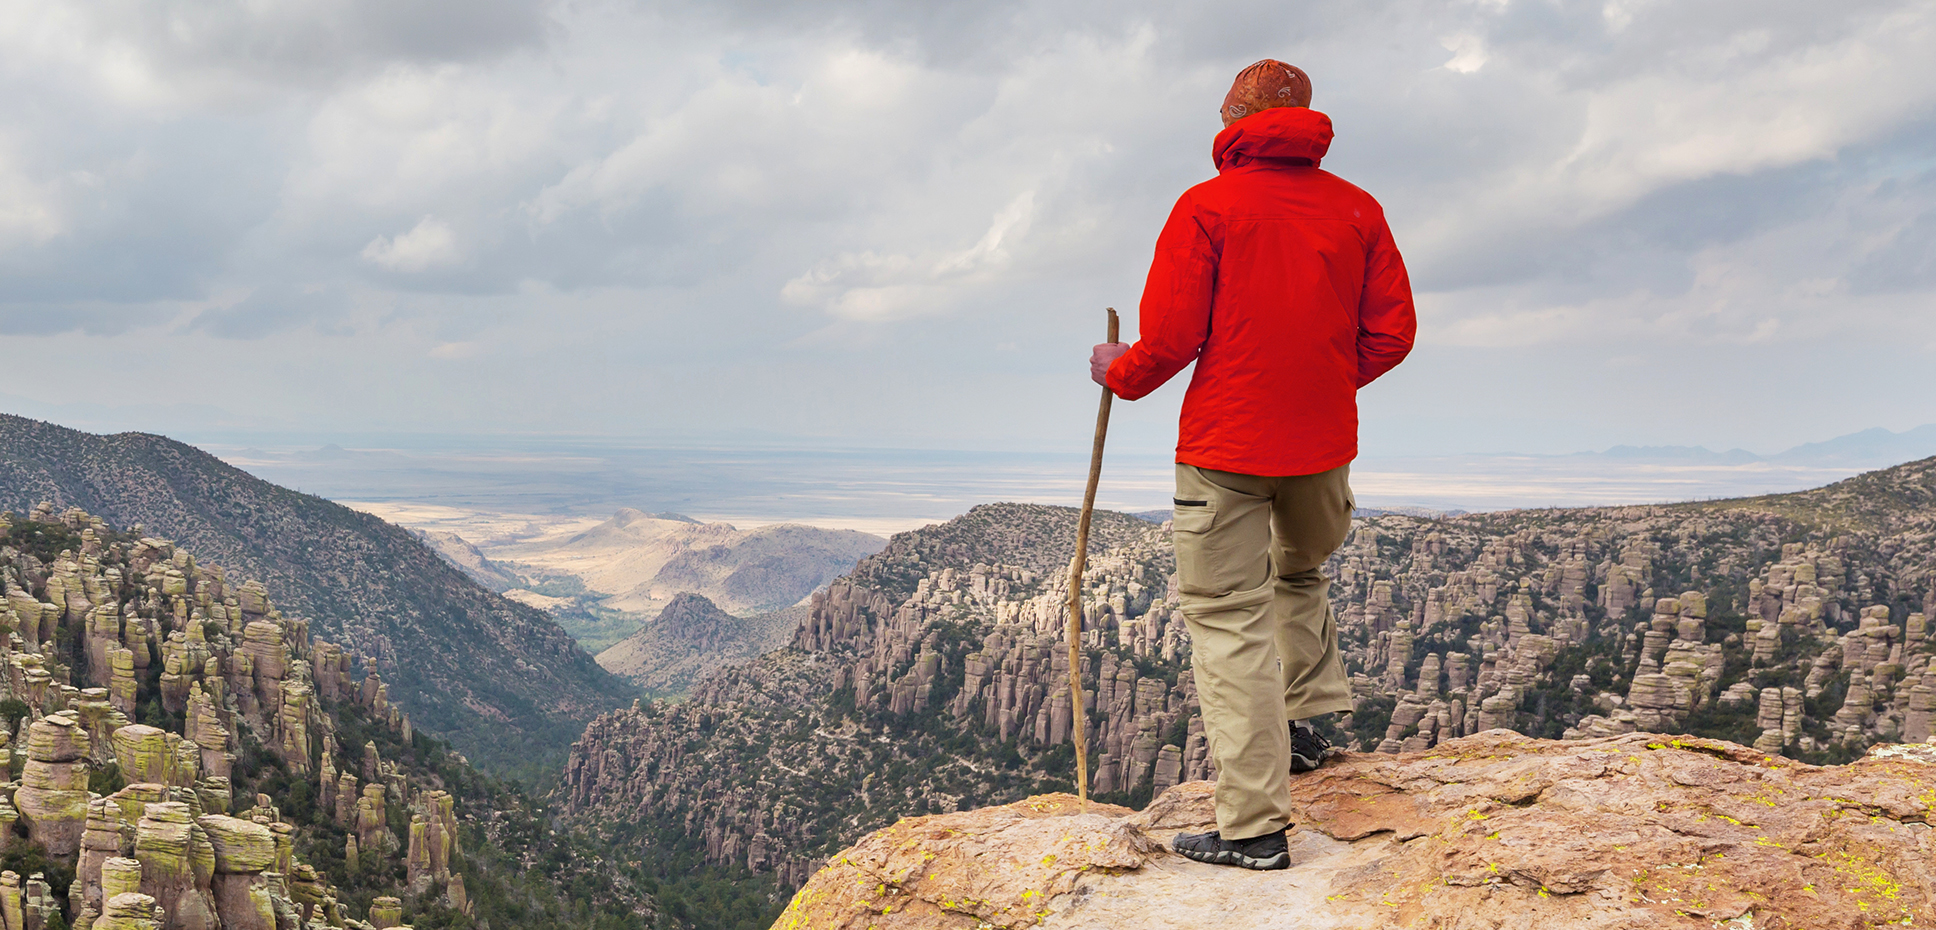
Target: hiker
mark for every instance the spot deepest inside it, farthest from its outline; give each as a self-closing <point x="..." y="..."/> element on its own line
<point x="1281" y="282"/>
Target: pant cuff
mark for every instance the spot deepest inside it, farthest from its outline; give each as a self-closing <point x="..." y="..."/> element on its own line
<point x="1318" y="710"/>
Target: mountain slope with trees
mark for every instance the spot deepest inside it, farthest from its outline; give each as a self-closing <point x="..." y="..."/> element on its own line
<point x="498" y="679"/>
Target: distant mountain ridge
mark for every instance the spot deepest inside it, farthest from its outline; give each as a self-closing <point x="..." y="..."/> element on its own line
<point x="500" y="680"/>
<point x="469" y="559"/>
<point x="1876" y="447"/>
<point x="641" y="560"/>
<point x="692" y="638"/>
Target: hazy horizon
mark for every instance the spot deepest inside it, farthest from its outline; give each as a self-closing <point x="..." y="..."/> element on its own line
<point x="886" y="490"/>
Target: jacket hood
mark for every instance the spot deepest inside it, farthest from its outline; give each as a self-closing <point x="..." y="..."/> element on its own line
<point x="1276" y="133"/>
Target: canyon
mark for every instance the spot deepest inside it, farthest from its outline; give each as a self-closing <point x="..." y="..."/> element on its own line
<point x="932" y="678"/>
<point x="217" y="647"/>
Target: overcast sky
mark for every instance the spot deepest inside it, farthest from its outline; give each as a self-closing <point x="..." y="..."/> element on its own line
<point x="897" y="223"/>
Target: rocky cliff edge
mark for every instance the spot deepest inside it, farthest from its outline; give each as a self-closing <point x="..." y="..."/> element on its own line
<point x="1490" y="831"/>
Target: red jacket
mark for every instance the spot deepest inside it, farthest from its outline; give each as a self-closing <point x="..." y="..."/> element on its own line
<point x="1282" y="283"/>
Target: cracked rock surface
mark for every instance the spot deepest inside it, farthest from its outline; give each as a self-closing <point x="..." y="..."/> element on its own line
<point x="1494" y="830"/>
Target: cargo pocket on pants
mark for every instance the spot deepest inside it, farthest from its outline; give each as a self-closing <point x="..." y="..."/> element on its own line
<point x="1194" y="516"/>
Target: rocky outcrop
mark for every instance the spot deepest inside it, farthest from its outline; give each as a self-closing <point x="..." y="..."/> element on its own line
<point x="1494" y="830"/>
<point x="52" y="798"/>
<point x="243" y="675"/>
<point x="177" y="864"/>
<point x="244" y="851"/>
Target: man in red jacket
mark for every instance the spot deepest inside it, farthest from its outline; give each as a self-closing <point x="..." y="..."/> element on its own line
<point x="1281" y="282"/>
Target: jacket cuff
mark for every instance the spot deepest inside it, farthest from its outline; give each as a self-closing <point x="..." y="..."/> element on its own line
<point x="1115" y="377"/>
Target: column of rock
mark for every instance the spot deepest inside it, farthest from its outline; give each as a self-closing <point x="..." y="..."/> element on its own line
<point x="455" y="895"/>
<point x="101" y="843"/>
<point x="1768" y="716"/>
<point x="372" y="826"/>
<point x="177" y="672"/>
<point x="100" y="718"/>
<point x="244" y="852"/>
<point x="432" y="845"/>
<point x="417" y="860"/>
<point x="52" y="798"/>
<point x="103" y="636"/>
<point x="134" y="911"/>
<point x="122" y="686"/>
<point x="38" y="901"/>
<point x="284" y="835"/>
<point x="311" y="896"/>
<point x="205" y="729"/>
<point x="386" y="912"/>
<point x="346" y="797"/>
<point x="13" y="911"/>
<point x="326" y="776"/>
<point x="8" y="817"/>
<point x="330" y="666"/>
<point x="263" y="643"/>
<point x="118" y="876"/>
<point x="1919" y="716"/>
<point x="292" y="726"/>
<point x="177" y="864"/>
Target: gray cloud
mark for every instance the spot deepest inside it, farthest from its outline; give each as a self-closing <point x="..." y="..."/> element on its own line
<point x="274" y="308"/>
<point x="900" y="217"/>
<point x="304" y="43"/>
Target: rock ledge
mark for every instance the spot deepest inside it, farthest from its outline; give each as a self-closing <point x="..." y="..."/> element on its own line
<point x="1491" y="831"/>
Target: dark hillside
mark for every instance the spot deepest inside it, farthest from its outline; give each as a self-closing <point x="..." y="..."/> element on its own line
<point x="1890" y="500"/>
<point x="498" y="679"/>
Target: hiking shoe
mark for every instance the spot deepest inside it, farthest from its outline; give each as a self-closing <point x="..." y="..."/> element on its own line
<point x="1262" y="853"/>
<point x="1309" y="748"/>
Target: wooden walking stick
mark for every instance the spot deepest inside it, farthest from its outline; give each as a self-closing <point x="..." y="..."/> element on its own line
<point x="1078" y="722"/>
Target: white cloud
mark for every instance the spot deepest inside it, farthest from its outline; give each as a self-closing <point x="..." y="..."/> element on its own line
<point x="455" y="350"/>
<point x="27" y="212"/>
<point x="1468" y="53"/>
<point x="870" y="286"/>
<point x="429" y="244"/>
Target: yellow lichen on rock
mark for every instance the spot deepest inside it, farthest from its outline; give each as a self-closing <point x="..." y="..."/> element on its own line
<point x="995" y="867"/>
<point x="1633" y="832"/>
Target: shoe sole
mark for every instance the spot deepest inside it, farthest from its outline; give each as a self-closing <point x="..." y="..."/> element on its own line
<point x="1232" y="857"/>
<point x="1300" y="764"/>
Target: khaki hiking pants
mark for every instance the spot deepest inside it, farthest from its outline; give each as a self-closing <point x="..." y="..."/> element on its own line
<point x="1264" y="642"/>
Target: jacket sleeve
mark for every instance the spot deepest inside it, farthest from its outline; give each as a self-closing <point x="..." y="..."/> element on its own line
<point x="1174" y="316"/>
<point x="1387" y="323"/>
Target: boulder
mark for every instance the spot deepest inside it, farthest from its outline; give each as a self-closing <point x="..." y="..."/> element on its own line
<point x="1496" y="830"/>
<point x="145" y="754"/>
<point x="241" y="846"/>
<point x="57" y="738"/>
<point x="133" y="911"/>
